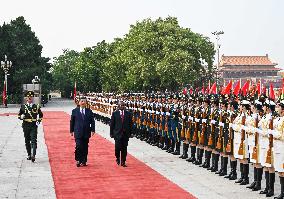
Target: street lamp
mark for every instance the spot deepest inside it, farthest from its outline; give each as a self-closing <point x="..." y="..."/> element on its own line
<point x="217" y="34"/>
<point x="6" y="65"/>
<point x="36" y="80"/>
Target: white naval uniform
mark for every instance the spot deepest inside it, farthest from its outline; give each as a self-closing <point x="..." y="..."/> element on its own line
<point x="238" y="127"/>
<point x="278" y="144"/>
<point x="263" y="138"/>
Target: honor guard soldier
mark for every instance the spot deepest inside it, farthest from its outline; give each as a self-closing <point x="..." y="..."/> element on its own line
<point x="233" y="107"/>
<point x="31" y="115"/>
<point x="213" y="133"/>
<point x="223" y="135"/>
<point x="279" y="145"/>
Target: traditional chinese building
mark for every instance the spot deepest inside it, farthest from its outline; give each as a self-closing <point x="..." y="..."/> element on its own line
<point x="254" y="68"/>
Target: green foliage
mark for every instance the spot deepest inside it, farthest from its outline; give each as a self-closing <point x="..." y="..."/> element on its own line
<point x="154" y="55"/>
<point x="23" y="48"/>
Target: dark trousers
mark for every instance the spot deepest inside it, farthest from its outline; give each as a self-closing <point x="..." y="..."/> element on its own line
<point x="121" y="148"/>
<point x="30" y="134"/>
<point x="81" y="149"/>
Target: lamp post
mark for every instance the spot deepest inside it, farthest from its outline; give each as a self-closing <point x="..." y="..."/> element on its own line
<point x="6" y="65"/>
<point x="217" y="34"/>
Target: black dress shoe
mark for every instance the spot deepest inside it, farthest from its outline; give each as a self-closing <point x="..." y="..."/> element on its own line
<point x="78" y="164"/>
<point x="33" y="159"/>
<point x="29" y="157"/>
<point x="245" y="182"/>
<point x="239" y="180"/>
<point x="228" y="176"/>
<point x="117" y="161"/>
<point x="123" y="164"/>
<point x="265" y="191"/>
<point x="84" y="164"/>
<point x="233" y="177"/>
<point x="252" y="185"/>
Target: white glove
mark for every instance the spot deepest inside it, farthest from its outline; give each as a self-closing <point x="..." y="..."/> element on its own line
<point x="204" y="120"/>
<point x="22" y="116"/>
<point x="37" y="123"/>
<point x="221" y="124"/>
<point x="213" y="121"/>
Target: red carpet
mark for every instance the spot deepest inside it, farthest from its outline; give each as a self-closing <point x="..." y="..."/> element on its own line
<point x="102" y="178"/>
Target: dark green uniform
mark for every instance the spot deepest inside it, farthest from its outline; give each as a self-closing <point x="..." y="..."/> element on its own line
<point x="31" y="116"/>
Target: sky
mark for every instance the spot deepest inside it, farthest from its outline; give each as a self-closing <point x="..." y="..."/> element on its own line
<point x="251" y="27"/>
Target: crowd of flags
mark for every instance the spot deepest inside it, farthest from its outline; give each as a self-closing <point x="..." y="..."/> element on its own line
<point x="237" y="89"/>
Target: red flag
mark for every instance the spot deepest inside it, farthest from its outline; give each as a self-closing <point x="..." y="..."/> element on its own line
<point x="228" y="88"/>
<point x="258" y="88"/>
<point x="245" y="88"/>
<point x="184" y="91"/>
<point x="271" y="92"/>
<point x="213" y="89"/>
<point x="237" y="88"/>
<point x="207" y="91"/>
<point x="263" y="90"/>
<point x="4" y="94"/>
<point x="75" y="91"/>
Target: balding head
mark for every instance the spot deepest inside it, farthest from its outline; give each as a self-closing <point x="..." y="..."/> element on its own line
<point x="121" y="105"/>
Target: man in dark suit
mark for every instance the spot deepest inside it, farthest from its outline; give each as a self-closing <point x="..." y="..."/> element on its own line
<point x="82" y="126"/>
<point x="120" y="130"/>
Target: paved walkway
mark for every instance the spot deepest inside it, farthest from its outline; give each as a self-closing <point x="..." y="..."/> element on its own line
<point x="20" y="178"/>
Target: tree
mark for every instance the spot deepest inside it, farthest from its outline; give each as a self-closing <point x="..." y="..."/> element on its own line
<point x="23" y="48"/>
<point x="153" y="55"/>
<point x="159" y="55"/>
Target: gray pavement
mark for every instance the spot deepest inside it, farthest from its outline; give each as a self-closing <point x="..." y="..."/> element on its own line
<point x="20" y="178"/>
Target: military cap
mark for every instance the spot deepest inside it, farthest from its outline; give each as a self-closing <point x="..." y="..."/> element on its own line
<point x="215" y="99"/>
<point x="269" y="103"/>
<point x="281" y="103"/>
<point x="176" y="96"/>
<point x="223" y="100"/>
<point x="206" y="99"/>
<point x="82" y="98"/>
<point x="29" y="94"/>
<point x="234" y="104"/>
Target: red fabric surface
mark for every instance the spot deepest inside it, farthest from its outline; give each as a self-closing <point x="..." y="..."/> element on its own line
<point x="102" y="178"/>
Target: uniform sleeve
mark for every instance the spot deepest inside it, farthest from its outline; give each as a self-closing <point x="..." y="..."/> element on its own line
<point x="112" y="122"/>
<point x="72" y="122"/>
<point x="40" y="114"/>
<point x="93" y="126"/>
<point x="21" y="112"/>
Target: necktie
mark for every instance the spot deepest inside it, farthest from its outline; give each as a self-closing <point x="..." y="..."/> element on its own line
<point x="82" y="112"/>
<point x="122" y="116"/>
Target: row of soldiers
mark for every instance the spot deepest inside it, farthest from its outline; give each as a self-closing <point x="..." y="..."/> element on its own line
<point x="215" y="128"/>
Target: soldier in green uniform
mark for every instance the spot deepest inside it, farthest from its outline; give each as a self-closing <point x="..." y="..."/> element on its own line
<point x="31" y="115"/>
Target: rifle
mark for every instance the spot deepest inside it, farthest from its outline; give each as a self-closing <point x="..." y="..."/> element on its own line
<point x="269" y="151"/>
<point x="195" y="134"/>
<point x="182" y="134"/>
<point x="166" y="124"/>
<point x="256" y="140"/>
<point x="188" y="129"/>
<point x="211" y="136"/>
<point x="219" y="142"/>
<point x="229" y="144"/>
<point x="242" y="148"/>
<point x="201" y="141"/>
<point x="161" y="119"/>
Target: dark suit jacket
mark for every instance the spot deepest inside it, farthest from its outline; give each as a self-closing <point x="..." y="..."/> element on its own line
<point x="82" y="128"/>
<point x="119" y="129"/>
